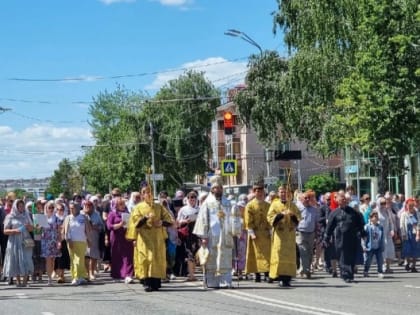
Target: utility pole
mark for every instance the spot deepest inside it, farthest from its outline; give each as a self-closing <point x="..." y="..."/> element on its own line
<point x="152" y="151"/>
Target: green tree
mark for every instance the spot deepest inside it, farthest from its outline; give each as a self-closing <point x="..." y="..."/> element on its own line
<point x="351" y="82"/>
<point x="321" y="183"/>
<point x="66" y="179"/>
<point x="178" y="120"/>
<point x="261" y="104"/>
<point x="182" y="115"/>
<point x="120" y="153"/>
<point x="378" y="102"/>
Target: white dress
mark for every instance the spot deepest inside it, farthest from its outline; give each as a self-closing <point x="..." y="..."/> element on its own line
<point x="386" y="221"/>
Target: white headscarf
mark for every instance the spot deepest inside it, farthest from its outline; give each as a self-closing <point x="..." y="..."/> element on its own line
<point x="23" y="217"/>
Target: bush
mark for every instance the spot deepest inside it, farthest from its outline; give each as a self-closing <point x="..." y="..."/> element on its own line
<point x="321" y="183"/>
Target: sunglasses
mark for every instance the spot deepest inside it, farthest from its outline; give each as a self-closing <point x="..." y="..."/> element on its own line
<point x="192" y="197"/>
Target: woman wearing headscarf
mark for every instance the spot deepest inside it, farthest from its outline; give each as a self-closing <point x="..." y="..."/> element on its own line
<point x="408" y="224"/>
<point x="61" y="262"/>
<point x="186" y="218"/>
<point x="18" y="259"/>
<point x="50" y="240"/>
<point x="122" y="250"/>
<point x="97" y="226"/>
<point x="389" y="229"/>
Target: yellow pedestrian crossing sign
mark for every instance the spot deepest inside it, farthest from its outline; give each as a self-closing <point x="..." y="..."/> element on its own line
<point x="229" y="167"/>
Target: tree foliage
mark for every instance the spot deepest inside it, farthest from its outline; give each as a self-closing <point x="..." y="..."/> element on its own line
<point x="124" y="124"/>
<point x="321" y="183"/>
<point x="66" y="179"/>
<point x="352" y="79"/>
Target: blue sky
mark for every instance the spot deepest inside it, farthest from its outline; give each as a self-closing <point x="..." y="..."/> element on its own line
<point x="46" y="44"/>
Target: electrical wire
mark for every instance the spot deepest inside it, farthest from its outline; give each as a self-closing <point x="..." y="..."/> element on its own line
<point x="142" y="74"/>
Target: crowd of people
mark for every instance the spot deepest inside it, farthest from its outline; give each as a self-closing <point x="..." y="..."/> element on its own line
<point x="270" y="237"/>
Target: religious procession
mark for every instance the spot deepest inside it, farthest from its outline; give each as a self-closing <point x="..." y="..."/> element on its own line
<point x="276" y="237"/>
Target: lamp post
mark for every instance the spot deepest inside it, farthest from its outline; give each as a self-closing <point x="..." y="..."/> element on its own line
<point x="244" y="36"/>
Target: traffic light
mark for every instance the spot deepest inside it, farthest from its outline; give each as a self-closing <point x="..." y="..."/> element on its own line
<point x="228" y="123"/>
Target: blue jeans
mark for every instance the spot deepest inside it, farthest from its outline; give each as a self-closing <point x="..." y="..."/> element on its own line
<point x="379" y="259"/>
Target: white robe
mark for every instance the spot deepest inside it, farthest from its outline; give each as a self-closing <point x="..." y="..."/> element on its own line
<point x="218" y="231"/>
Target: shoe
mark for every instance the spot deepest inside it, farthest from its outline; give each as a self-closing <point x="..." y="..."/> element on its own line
<point x="60" y="280"/>
<point x="389" y="270"/>
<point x="49" y="283"/>
<point x="413" y="269"/>
<point x="81" y="281"/>
<point x="365" y="274"/>
<point x="380" y="275"/>
<point x="347" y="280"/>
<point x="128" y="280"/>
<point x="286" y="284"/>
<point x="191" y="279"/>
<point x="334" y="274"/>
<point x="407" y="267"/>
<point x="270" y="280"/>
<point x="92" y="277"/>
<point x="172" y="277"/>
<point x="308" y="275"/>
<point x="74" y="282"/>
<point x="148" y="289"/>
<point x="257" y="277"/>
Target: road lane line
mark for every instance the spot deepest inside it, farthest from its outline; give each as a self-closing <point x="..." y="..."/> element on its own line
<point x="21" y="296"/>
<point x="281" y="304"/>
<point x="290" y="308"/>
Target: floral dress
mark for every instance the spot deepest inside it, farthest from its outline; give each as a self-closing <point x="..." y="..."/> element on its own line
<point x="50" y="237"/>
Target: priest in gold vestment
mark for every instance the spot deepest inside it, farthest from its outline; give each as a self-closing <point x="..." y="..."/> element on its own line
<point x="284" y="217"/>
<point x="259" y="234"/>
<point x="146" y="229"/>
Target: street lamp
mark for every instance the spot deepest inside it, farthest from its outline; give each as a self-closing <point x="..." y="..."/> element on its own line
<point x="243" y="36"/>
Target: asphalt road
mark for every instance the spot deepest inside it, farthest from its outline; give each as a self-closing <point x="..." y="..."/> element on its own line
<point x="397" y="293"/>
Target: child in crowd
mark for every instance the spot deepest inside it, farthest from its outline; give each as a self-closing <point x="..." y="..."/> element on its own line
<point x="374" y="244"/>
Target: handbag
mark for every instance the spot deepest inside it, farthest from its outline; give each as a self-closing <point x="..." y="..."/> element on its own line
<point x="28" y="242"/>
<point x="183" y="232"/>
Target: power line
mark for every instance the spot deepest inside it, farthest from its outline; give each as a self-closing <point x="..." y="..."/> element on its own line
<point x="142" y="74"/>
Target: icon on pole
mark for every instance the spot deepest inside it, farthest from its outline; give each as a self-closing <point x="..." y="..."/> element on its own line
<point x="229" y="167"/>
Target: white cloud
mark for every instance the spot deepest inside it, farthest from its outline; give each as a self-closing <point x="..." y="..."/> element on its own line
<point x="109" y="2"/>
<point x="217" y="69"/>
<point x="37" y="150"/>
<point x="175" y="2"/>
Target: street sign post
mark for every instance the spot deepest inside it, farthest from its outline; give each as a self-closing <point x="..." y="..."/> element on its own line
<point x="156" y="177"/>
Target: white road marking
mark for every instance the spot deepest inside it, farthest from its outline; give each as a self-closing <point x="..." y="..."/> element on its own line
<point x="21" y="296"/>
<point x="280" y="304"/>
<point x="411" y="286"/>
<point x="47" y="313"/>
